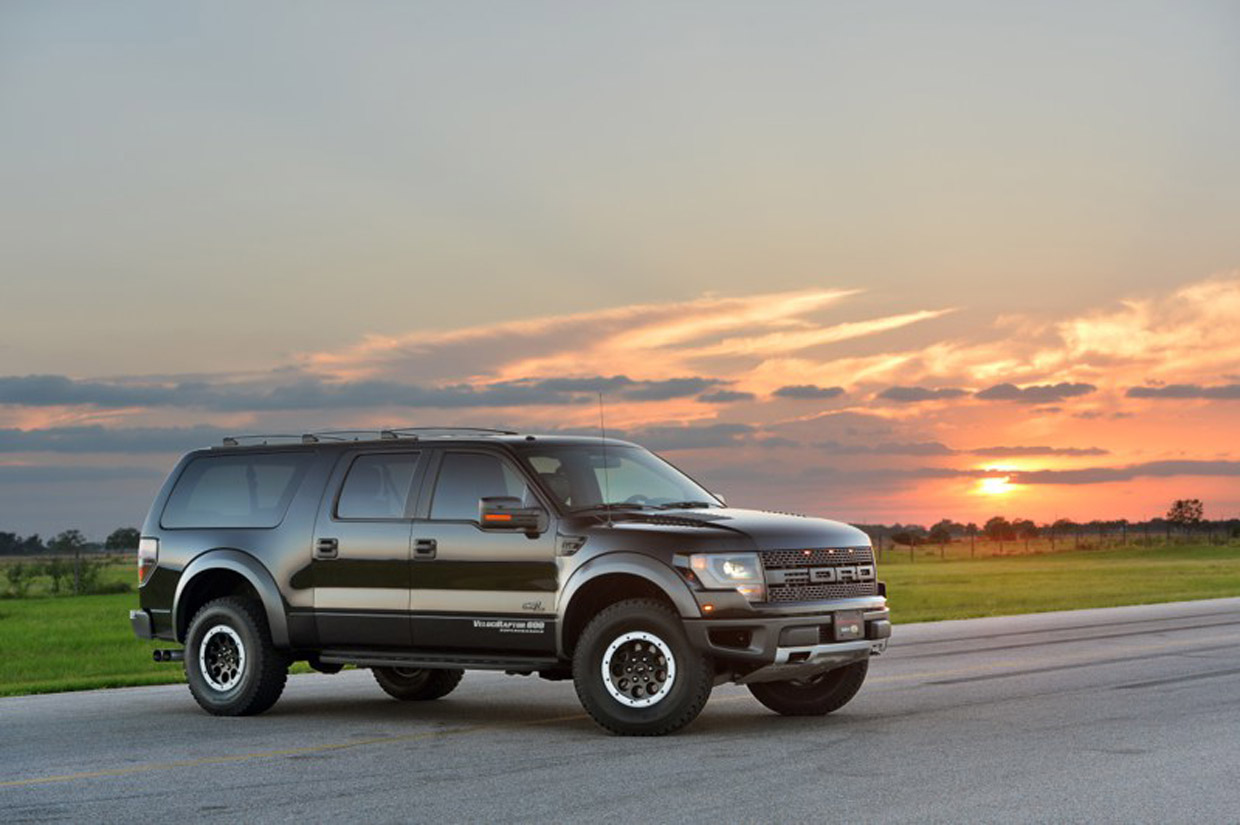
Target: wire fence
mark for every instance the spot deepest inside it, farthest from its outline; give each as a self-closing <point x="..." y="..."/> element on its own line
<point x="981" y="546"/>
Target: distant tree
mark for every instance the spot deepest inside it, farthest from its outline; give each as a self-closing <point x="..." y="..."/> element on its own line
<point x="86" y="575"/>
<point x="123" y="538"/>
<point x="905" y="537"/>
<point x="70" y="541"/>
<point x="999" y="529"/>
<point x="1186" y="512"/>
<point x="1024" y="528"/>
<point x="941" y="533"/>
<point x="12" y="544"/>
<point x="57" y="569"/>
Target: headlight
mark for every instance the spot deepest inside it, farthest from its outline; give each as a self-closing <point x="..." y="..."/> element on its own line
<point x="731" y="571"/>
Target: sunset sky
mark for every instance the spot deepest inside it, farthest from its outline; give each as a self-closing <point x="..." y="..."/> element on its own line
<point x="879" y="262"/>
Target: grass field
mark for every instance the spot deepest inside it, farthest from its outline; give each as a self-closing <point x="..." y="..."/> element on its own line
<point x="82" y="642"/>
<point x="929" y="589"/>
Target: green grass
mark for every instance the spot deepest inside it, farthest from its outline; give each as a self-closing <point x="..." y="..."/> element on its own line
<point x="929" y="589"/>
<point x="82" y="642"/>
<point x="74" y="643"/>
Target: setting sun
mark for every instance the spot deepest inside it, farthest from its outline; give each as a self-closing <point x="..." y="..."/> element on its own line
<point x="994" y="486"/>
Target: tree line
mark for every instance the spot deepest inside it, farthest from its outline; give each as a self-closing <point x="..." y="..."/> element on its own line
<point x="1185" y="516"/>
<point x="69" y="542"/>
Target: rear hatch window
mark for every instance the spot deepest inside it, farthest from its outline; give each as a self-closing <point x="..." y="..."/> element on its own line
<point x="252" y="490"/>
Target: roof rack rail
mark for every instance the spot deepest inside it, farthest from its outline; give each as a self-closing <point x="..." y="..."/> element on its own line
<point x="390" y="434"/>
<point x="348" y="435"/>
<point x="449" y="430"/>
<point x="235" y="440"/>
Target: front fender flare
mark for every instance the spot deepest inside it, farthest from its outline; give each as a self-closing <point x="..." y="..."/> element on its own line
<point x="633" y="564"/>
<point x="249" y="568"/>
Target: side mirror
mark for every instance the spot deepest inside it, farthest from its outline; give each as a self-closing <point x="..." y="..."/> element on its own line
<point x="506" y="513"/>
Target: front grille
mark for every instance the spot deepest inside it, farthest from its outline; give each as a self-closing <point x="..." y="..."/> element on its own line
<point x="817" y="557"/>
<point x="824" y="557"/>
<point x="820" y="592"/>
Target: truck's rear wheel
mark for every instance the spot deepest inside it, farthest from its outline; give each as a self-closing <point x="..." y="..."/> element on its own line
<point x="417" y="684"/>
<point x="636" y="673"/>
<point x="815" y="696"/>
<point x="230" y="664"/>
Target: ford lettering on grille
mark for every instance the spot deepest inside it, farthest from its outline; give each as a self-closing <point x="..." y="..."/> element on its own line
<point x="821" y="575"/>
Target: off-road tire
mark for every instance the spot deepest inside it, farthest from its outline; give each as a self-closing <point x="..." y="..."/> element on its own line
<point x="254" y="686"/>
<point x="691" y="675"/>
<point x="813" y="697"/>
<point x="417" y="684"/>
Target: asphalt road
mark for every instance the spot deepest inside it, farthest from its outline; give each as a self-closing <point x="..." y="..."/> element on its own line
<point x="1121" y="715"/>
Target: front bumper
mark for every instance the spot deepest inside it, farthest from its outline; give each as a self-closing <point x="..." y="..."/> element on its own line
<point x="769" y="647"/>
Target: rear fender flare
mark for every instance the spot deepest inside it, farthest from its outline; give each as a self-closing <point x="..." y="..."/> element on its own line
<point x="252" y="571"/>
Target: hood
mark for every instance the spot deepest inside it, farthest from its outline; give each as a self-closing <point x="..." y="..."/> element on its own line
<point x="729" y="529"/>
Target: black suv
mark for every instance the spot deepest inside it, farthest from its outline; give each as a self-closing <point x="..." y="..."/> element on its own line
<point x="422" y="553"/>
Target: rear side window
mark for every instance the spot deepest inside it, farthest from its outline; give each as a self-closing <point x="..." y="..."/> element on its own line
<point x="235" y="490"/>
<point x="466" y="477"/>
<point x="377" y="486"/>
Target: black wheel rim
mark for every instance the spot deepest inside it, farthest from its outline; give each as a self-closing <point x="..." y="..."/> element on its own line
<point x="221" y="658"/>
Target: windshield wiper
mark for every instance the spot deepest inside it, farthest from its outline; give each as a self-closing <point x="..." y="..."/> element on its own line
<point x="685" y="505"/>
<point x="618" y="505"/>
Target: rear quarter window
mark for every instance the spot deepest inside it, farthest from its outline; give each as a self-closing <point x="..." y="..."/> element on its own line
<point x="251" y="491"/>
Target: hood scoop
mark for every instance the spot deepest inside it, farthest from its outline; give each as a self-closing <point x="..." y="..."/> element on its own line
<point x="677" y="520"/>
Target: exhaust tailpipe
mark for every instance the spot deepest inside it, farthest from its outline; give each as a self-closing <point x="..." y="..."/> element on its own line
<point x="168" y="655"/>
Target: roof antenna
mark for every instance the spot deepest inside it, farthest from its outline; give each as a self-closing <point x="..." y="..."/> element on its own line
<point x="602" y="425"/>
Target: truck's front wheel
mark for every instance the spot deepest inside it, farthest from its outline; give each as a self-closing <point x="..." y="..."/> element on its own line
<point x="815" y="696"/>
<point x="636" y="673"/>
<point x="230" y="664"/>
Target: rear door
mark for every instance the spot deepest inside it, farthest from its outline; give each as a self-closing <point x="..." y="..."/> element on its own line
<point x="475" y="589"/>
<point x="361" y="550"/>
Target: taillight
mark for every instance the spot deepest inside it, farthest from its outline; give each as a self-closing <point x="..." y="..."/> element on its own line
<point x="148" y="556"/>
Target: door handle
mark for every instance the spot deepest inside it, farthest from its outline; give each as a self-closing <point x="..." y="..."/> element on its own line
<point x="425" y="548"/>
<point x="327" y="549"/>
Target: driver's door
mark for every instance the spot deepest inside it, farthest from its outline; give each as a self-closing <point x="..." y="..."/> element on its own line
<point x="486" y="590"/>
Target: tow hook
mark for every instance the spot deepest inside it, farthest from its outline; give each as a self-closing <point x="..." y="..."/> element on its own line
<point x="169" y="655"/>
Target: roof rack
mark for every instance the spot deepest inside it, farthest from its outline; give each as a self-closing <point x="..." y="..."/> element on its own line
<point x="235" y="440"/>
<point x="449" y="430"/>
<point x="392" y="434"/>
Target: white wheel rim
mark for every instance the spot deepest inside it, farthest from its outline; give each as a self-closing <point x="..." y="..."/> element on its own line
<point x="221" y="658"/>
<point x="638" y="669"/>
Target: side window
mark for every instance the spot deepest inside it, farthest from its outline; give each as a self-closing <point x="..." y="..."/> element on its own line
<point x="555" y="476"/>
<point x="249" y="490"/>
<point x="466" y="477"/>
<point x="377" y="486"/>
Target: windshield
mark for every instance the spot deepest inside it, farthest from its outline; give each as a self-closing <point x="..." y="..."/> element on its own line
<point x="576" y="475"/>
